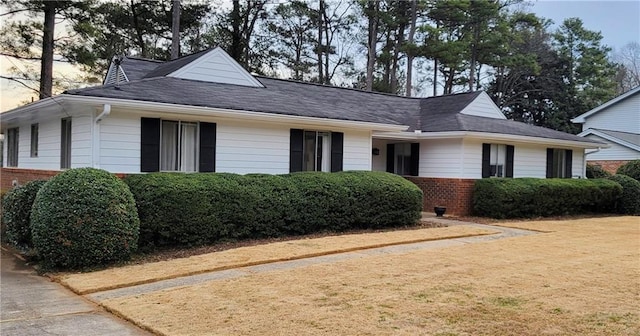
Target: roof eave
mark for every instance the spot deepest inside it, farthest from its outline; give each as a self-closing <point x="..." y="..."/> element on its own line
<point x="489" y="137"/>
<point x="582" y="118"/>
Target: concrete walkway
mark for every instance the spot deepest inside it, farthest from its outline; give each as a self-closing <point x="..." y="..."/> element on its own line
<point x="325" y="259"/>
<point x="32" y="305"/>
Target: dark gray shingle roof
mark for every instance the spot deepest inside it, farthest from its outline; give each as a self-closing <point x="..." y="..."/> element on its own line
<point x="171" y="66"/>
<point x="631" y="138"/>
<point x="278" y="97"/>
<point x="137" y="68"/>
<point x="434" y="114"/>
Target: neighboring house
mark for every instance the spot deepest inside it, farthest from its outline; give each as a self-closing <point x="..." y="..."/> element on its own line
<point x="204" y="112"/>
<point x="616" y="123"/>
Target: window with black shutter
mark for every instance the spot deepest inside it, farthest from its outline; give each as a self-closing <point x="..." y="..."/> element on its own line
<point x="559" y="163"/>
<point x="497" y="160"/>
<point x="315" y="151"/>
<point x="403" y="158"/>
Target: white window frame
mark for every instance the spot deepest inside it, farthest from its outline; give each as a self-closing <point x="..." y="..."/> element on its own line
<point x="323" y="148"/>
<point x="181" y="150"/>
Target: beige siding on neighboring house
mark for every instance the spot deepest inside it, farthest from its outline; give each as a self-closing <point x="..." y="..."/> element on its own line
<point x="615" y="152"/>
<point x="623" y="117"/>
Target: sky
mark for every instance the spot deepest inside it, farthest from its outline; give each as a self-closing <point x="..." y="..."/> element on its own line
<point x="618" y="21"/>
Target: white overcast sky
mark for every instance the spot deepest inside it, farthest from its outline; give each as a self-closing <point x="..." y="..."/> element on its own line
<point x="618" y="21"/>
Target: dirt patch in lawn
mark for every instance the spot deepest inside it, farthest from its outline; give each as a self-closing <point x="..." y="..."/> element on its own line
<point x="580" y="279"/>
<point x="84" y="283"/>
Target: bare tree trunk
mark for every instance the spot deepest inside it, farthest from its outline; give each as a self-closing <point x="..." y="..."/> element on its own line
<point x="435" y="77"/>
<point x="327" y="77"/>
<point x="236" y="38"/>
<point x="474" y="55"/>
<point x="46" y="60"/>
<point x="372" y="42"/>
<point x="136" y="26"/>
<point x="412" y="32"/>
<point x="320" y="35"/>
<point x="175" y="30"/>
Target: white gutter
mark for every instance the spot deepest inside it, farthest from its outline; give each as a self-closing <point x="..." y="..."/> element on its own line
<point x="487" y="136"/>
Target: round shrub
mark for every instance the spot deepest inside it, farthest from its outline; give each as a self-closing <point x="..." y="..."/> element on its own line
<point x="631" y="169"/>
<point x="16" y="213"/>
<point x="84" y="217"/>
<point x="629" y="202"/>
<point x="595" y="172"/>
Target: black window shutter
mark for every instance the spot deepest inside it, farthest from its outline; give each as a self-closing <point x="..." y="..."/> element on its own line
<point x="568" y="169"/>
<point x="391" y="153"/>
<point x="207" y="147"/>
<point x="337" y="144"/>
<point x="486" y="160"/>
<point x="150" y="144"/>
<point x="415" y="159"/>
<point x="295" y="150"/>
<point x="509" y="168"/>
<point x="549" y="162"/>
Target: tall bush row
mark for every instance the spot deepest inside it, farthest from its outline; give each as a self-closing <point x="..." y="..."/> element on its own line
<point x="193" y="209"/>
<point x="530" y="197"/>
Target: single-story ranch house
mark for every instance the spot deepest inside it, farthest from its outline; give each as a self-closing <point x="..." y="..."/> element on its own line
<point x="204" y="112"/>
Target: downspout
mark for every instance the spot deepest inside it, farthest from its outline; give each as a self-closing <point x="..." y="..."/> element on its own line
<point x="106" y="110"/>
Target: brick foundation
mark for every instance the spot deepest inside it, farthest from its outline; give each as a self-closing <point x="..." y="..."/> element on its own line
<point x="455" y="194"/>
<point x="22" y="176"/>
<point x="608" y="165"/>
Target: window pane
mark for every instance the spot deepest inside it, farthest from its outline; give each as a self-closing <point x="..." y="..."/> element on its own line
<point x="497" y="160"/>
<point x="324" y="153"/>
<point x="189" y="147"/>
<point x="309" y="151"/>
<point x="169" y="146"/>
<point x="34" y="140"/>
<point x="558" y="163"/>
<point x="402" y="159"/>
<point x="12" y="147"/>
<point x="65" y="144"/>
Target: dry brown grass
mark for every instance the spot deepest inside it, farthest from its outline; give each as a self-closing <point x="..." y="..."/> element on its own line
<point x="85" y="283"/>
<point x="582" y="279"/>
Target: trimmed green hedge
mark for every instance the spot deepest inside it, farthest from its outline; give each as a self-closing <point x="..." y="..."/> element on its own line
<point x="16" y="213"/>
<point x="629" y="201"/>
<point x="84" y="217"/>
<point x="531" y="197"/>
<point x="631" y="169"/>
<point x="201" y="208"/>
<point x="596" y="172"/>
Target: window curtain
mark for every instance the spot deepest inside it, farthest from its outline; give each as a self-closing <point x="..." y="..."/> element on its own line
<point x="169" y="146"/>
<point x="189" y="148"/>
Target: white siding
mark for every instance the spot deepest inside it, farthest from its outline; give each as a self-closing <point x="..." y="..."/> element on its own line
<point x="81" y="146"/>
<point x="256" y="148"/>
<point x="48" y="146"/>
<point x="120" y="143"/>
<point x="356" y="151"/>
<point x="577" y="166"/>
<point x="530" y="161"/>
<point x="216" y="66"/>
<point x="472" y="159"/>
<point x="379" y="162"/>
<point x="483" y="106"/>
<point x="623" y="116"/>
<point x="615" y="152"/>
<point x="441" y="158"/>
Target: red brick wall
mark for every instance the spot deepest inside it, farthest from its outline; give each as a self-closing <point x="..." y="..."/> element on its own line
<point x="22" y="176"/>
<point x="608" y="165"/>
<point x="455" y="194"/>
